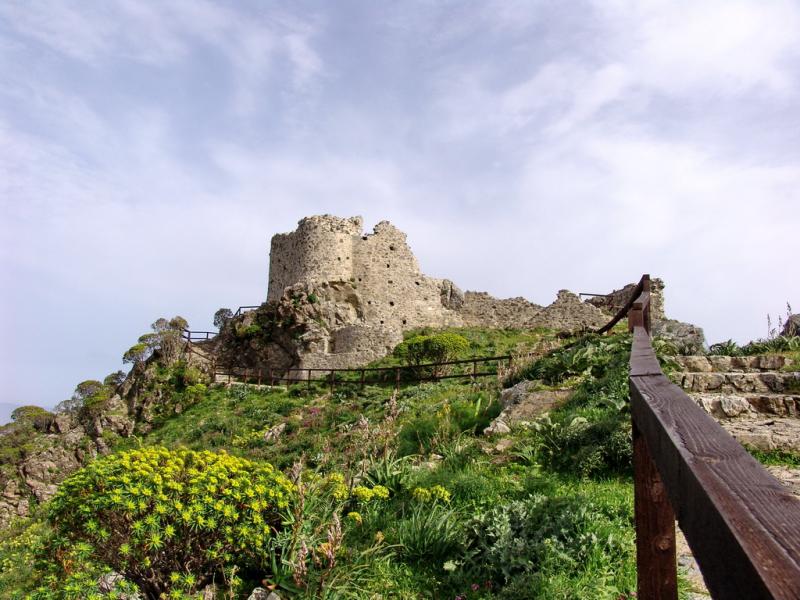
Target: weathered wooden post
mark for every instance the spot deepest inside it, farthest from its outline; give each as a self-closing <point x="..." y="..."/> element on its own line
<point x="397" y="378"/>
<point x="656" y="568"/>
<point x="333" y="380"/>
<point x="308" y="381"/>
<point x="362" y="379"/>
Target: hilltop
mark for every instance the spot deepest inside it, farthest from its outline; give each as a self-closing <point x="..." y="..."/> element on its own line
<point x="175" y="480"/>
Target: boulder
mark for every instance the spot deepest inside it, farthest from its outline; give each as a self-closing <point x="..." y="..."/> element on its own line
<point x="792" y="326"/>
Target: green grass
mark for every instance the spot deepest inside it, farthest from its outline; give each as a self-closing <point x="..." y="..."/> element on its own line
<point x="422" y="438"/>
<point x="775" y="457"/>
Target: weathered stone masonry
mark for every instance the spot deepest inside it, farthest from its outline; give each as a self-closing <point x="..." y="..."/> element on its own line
<point x="370" y="289"/>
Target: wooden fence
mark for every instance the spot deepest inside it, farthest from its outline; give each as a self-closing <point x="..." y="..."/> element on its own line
<point x="203" y="336"/>
<point x="742" y="525"/>
<point x="471" y="368"/>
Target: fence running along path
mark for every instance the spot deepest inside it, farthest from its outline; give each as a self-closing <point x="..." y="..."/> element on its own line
<point x="471" y="368"/>
<point x="203" y="336"/>
<point x="742" y="525"/>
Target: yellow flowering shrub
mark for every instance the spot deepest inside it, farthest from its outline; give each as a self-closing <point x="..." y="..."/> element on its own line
<point x="153" y="513"/>
<point x="436" y="493"/>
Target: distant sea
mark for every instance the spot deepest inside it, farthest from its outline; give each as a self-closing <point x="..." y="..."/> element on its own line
<point x="6" y="408"/>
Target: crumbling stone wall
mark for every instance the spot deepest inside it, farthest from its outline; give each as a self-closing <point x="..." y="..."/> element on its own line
<point x="482" y="310"/>
<point x="611" y="303"/>
<point x="349" y="296"/>
<point x="367" y="289"/>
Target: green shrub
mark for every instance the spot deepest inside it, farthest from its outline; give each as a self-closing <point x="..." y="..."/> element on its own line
<point x="34" y="415"/>
<point x="546" y="534"/>
<point x="431" y="532"/>
<point x="168" y="519"/>
<point x="417" y="435"/>
<point x="591" y="355"/>
<point x="435" y="348"/>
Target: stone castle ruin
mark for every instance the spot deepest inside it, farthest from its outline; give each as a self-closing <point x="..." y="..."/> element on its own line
<point x="339" y="297"/>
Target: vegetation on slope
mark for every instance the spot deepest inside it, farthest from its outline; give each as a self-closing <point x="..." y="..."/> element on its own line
<point x="382" y="494"/>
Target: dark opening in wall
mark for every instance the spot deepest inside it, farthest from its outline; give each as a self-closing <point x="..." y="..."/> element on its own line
<point x="339" y="258"/>
<point x="391" y="303"/>
<point x="416" y="283"/>
<point x="391" y="247"/>
<point x="369" y="301"/>
<point x="359" y="278"/>
<point x="364" y="238"/>
<point x="390" y="281"/>
<point x="404" y="321"/>
<point x="381" y="322"/>
<point x="388" y="266"/>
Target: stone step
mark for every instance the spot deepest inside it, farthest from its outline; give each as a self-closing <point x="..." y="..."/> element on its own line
<point x="733" y="364"/>
<point x="777" y="433"/>
<point x="732" y="382"/>
<point x="732" y="406"/>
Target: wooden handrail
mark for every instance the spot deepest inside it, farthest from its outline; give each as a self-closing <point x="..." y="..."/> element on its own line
<point x="742" y="525"/>
<point x="622" y="313"/>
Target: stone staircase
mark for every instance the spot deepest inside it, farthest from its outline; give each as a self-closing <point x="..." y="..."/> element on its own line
<point x="755" y="398"/>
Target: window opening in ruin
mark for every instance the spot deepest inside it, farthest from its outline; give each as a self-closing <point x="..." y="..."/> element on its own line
<point x="388" y="265"/>
<point x="404" y="321"/>
<point x="364" y="238"/>
<point x="390" y="281"/>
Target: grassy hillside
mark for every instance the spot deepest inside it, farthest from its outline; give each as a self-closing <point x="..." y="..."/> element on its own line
<point x="382" y="494"/>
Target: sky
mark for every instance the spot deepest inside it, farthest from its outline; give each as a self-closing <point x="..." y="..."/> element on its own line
<point x="150" y="149"/>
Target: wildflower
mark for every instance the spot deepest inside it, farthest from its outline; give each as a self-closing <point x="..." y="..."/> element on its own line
<point x="355" y="517"/>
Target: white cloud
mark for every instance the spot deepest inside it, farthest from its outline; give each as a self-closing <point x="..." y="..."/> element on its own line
<point x="720" y="46"/>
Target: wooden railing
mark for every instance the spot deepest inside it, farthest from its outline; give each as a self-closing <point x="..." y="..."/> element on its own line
<point x="197" y="336"/>
<point x="363" y="376"/>
<point x="202" y="336"/>
<point x="742" y="525"/>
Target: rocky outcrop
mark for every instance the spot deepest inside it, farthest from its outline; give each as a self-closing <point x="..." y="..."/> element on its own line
<point x="50" y="449"/>
<point x="792" y="326"/>
<point x="687" y="338"/>
<point x="523" y="403"/>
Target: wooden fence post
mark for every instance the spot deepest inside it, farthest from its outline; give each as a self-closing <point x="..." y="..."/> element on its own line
<point x="474" y="371"/>
<point x="362" y="379"/>
<point x="271" y="378"/>
<point x="657" y="577"/>
<point x="397" y="378"/>
<point x="333" y="380"/>
<point x="259" y="376"/>
<point x="308" y="381"/>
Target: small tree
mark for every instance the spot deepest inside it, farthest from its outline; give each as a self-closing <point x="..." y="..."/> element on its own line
<point x="114" y="379"/>
<point x="137" y="353"/>
<point x="222" y="316"/>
